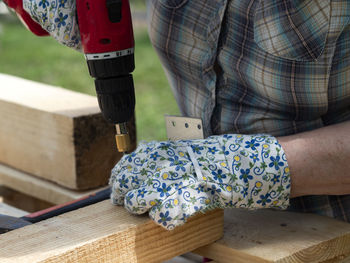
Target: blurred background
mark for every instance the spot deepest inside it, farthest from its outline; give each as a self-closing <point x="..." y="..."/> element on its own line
<point x="43" y="59"/>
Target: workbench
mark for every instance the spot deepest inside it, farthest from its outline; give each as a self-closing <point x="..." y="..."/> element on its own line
<point x="105" y="233"/>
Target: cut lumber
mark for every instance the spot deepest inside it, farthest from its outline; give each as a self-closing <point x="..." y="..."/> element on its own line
<point x="55" y="134"/>
<point x="279" y="236"/>
<point x="105" y="233"/>
<point x="39" y="188"/>
<point x="22" y="201"/>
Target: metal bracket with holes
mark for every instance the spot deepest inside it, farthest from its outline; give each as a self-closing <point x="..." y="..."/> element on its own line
<point x="183" y="128"/>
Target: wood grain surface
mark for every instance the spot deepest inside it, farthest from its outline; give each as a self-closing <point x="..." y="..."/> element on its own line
<point x="278" y="236"/>
<point x="106" y="233"/>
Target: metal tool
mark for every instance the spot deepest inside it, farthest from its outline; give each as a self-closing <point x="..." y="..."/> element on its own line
<point x="8" y="223"/>
<point x="108" y="43"/>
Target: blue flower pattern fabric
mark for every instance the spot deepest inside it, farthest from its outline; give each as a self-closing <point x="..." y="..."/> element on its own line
<point x="175" y="180"/>
<point x="58" y="18"/>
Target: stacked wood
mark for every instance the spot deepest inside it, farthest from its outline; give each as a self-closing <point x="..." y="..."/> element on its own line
<point x="55" y="134"/>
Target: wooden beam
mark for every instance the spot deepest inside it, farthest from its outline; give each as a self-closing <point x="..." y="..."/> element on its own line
<point x="55" y="134"/>
<point x="22" y="201"/>
<point x="277" y="236"/>
<point x="39" y="188"/>
<point x="106" y="233"/>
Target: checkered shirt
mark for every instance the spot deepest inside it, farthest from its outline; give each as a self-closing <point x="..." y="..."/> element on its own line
<point x="259" y="66"/>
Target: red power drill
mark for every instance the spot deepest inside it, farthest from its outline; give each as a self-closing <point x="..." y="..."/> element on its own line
<point x="108" y="43"/>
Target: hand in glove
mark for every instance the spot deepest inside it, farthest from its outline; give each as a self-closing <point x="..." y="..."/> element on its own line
<point x="175" y="180"/>
<point x="58" y="18"/>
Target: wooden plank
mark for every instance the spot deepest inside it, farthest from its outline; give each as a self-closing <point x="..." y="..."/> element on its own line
<point x="278" y="236"/>
<point x="105" y="233"/>
<point x="6" y="209"/>
<point x="22" y="201"/>
<point x="39" y="188"/>
<point x="55" y="134"/>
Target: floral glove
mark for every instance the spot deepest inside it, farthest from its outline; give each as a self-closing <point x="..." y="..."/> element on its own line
<point x="175" y="180"/>
<point x="58" y="18"/>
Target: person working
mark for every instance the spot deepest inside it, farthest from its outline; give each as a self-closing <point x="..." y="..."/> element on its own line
<point x="269" y="79"/>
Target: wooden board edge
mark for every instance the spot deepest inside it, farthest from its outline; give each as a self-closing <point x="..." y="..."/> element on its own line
<point x="184" y="239"/>
<point x="327" y="251"/>
<point x="331" y="250"/>
<point x="95" y="151"/>
<point x="39" y="188"/>
<point x="88" y="103"/>
<point x="114" y="236"/>
<point x="223" y="254"/>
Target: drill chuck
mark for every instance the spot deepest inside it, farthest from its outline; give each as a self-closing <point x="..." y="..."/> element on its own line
<point x="106" y="65"/>
<point x="116" y="98"/>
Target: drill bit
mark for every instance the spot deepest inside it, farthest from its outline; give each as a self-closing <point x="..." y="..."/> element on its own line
<point x="122" y="138"/>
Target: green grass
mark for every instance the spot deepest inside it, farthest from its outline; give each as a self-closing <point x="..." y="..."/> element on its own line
<point x="43" y="59"/>
<point x="138" y="4"/>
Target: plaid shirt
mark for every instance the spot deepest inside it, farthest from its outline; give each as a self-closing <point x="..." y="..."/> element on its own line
<point x="255" y="66"/>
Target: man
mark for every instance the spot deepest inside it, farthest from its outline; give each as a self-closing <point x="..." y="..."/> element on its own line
<point x="279" y="68"/>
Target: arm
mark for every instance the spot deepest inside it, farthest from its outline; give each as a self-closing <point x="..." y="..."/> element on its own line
<point x="319" y="160"/>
